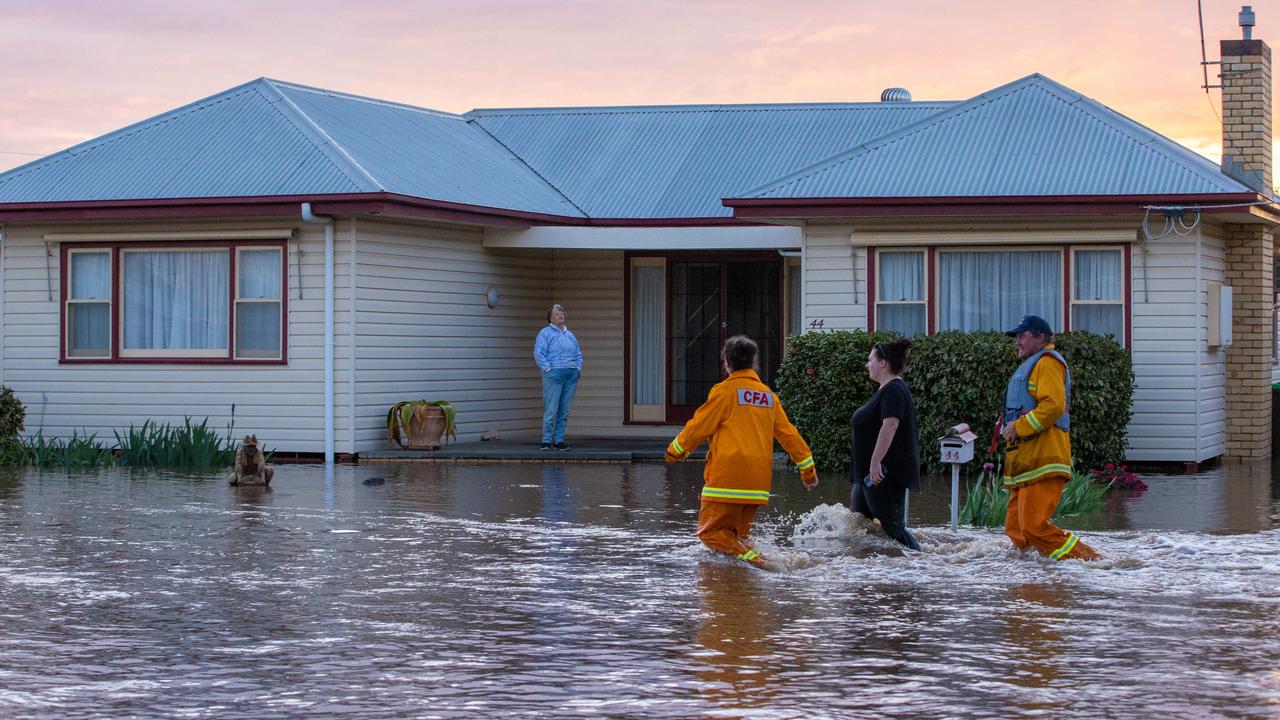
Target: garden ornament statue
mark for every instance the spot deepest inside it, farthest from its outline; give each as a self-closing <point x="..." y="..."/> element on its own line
<point x="251" y="467"/>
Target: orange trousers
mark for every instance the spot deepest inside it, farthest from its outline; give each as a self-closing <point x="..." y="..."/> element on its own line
<point x="724" y="527"/>
<point x="1028" y="522"/>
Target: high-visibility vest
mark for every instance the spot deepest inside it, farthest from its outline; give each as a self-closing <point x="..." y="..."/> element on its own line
<point x="1019" y="401"/>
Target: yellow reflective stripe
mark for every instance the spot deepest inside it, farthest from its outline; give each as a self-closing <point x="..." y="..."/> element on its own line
<point x="679" y="450"/>
<point x="806" y="463"/>
<point x="1066" y="548"/>
<point x="1037" y="473"/>
<point x="749" y="555"/>
<point x="1031" y="387"/>
<point x="1031" y="418"/>
<point x="713" y="492"/>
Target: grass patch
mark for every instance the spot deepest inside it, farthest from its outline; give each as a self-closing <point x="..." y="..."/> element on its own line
<point x="189" y="445"/>
<point x="988" y="501"/>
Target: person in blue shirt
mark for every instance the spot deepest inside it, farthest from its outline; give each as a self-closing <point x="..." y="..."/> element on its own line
<point x="560" y="358"/>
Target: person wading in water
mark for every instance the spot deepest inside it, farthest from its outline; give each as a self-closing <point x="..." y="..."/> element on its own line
<point x="742" y="417"/>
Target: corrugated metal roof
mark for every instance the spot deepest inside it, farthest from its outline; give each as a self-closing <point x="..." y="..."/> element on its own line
<point x="236" y="143"/>
<point x="1033" y="136"/>
<point x="271" y="138"/>
<point x="268" y="138"/>
<point x="681" y="160"/>
<point x="424" y="153"/>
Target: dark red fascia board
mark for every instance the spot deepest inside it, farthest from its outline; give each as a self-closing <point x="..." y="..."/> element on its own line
<point x="751" y="208"/>
<point x="378" y="203"/>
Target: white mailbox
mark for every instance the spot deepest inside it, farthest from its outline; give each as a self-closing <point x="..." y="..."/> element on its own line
<point x="957" y="449"/>
<point x="957" y="444"/>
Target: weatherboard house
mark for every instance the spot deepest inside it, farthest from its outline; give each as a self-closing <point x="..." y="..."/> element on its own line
<point x="313" y="257"/>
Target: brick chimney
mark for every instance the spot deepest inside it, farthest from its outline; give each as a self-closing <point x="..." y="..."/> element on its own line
<point x="1250" y="247"/>
<point x="1246" y="107"/>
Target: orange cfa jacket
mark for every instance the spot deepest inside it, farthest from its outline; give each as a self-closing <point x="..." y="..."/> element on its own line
<point x="742" y="416"/>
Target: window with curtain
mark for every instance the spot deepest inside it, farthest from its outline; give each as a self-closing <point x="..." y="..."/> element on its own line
<point x="1097" y="292"/>
<point x="901" y="292"/>
<point x="981" y="290"/>
<point x="174" y="302"/>
<point x="89" y="304"/>
<point x="648" y="296"/>
<point x="258" y="303"/>
<point x="139" y="301"/>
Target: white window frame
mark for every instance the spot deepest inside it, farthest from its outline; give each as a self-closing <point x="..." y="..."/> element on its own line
<point x="1058" y="322"/>
<point x="1124" y="288"/>
<point x="69" y="301"/>
<point x="924" y="295"/>
<point x="237" y="300"/>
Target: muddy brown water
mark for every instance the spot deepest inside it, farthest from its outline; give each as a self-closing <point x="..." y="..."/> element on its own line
<point x="557" y="591"/>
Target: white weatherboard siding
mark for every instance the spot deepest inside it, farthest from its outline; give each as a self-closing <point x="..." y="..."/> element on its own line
<point x="424" y="330"/>
<point x="590" y="286"/>
<point x="1169" y="331"/>
<point x="835" y="279"/>
<point x="283" y="404"/>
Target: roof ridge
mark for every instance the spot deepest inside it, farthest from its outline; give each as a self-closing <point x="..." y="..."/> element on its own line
<point x="327" y="140"/>
<point x="361" y="98"/>
<point x="717" y="107"/>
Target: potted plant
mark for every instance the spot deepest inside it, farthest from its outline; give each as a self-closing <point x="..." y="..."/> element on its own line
<point x="423" y="423"/>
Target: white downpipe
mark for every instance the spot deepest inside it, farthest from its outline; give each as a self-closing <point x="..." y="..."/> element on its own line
<point x="1201" y="313"/>
<point x="328" y="327"/>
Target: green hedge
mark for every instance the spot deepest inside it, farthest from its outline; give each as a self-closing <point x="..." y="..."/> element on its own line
<point x="954" y="377"/>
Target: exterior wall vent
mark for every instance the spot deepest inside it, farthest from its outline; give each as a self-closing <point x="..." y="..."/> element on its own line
<point x="895" y="95"/>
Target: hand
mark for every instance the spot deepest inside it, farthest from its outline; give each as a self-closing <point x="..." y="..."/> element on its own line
<point x="670" y="458"/>
<point x="877" y="472"/>
<point x="1009" y="433"/>
<point x="809" y="478"/>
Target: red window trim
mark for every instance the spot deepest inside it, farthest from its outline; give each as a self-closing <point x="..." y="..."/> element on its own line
<point x="116" y="249"/>
<point x="931" y="300"/>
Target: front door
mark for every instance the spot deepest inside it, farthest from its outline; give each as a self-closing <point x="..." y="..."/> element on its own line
<point x="710" y="301"/>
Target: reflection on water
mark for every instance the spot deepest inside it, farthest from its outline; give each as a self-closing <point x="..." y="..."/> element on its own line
<point x="580" y="591"/>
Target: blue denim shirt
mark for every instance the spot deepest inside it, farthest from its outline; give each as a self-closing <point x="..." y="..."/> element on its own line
<point x="557" y="349"/>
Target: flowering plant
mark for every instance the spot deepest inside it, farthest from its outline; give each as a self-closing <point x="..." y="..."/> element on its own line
<point x="1118" y="476"/>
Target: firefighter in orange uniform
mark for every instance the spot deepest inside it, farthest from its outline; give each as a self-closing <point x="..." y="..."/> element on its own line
<point x="1036" y="427"/>
<point x="742" y="416"/>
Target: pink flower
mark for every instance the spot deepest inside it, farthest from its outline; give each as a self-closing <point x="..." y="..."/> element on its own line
<point x="988" y="467"/>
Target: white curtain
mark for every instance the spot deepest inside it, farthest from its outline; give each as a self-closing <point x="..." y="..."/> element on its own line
<point x="901" y="277"/>
<point x="646" y="334"/>
<point x="993" y="290"/>
<point x="90" y="331"/>
<point x="1099" y="277"/>
<point x="176" y="300"/>
<point x="258" y="322"/>
<point x="90" y="276"/>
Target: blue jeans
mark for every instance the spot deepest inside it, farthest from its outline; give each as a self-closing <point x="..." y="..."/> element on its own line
<point x="558" y="386"/>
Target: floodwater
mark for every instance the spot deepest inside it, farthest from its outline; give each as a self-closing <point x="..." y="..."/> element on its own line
<point x="465" y="591"/>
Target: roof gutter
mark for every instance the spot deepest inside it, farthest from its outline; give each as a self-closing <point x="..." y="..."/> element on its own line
<point x="760" y="208"/>
<point x="308" y="216"/>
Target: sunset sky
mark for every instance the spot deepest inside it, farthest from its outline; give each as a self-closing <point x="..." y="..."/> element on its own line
<point x="73" y="70"/>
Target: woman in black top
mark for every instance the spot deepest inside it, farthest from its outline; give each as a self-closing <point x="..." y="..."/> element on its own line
<point x="885" y="448"/>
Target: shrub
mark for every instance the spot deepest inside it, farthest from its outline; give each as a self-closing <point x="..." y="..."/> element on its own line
<point x="954" y="377"/>
<point x="823" y="379"/>
<point x="12" y="415"/>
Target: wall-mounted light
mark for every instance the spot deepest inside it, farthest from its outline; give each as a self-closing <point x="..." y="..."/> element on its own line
<point x="491" y="297"/>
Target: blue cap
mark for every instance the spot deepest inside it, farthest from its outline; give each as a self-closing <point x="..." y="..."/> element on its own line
<point x="1034" y="323"/>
